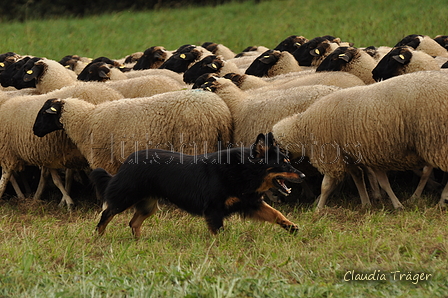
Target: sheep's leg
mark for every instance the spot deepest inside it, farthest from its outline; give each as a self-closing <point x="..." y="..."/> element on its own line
<point x="42" y="182"/>
<point x="16" y="186"/>
<point x="65" y="196"/>
<point x="384" y="183"/>
<point x="427" y="170"/>
<point x="358" y="177"/>
<point x="374" y="185"/>
<point x="6" y="175"/>
<point x="327" y="187"/>
<point x="68" y="179"/>
<point x="444" y="197"/>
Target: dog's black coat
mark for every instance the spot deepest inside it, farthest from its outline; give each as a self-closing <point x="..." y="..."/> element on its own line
<point x="215" y="185"/>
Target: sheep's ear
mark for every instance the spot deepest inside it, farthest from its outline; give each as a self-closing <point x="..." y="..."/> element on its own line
<point x="315" y="52"/>
<point x="345" y="57"/>
<point x="403" y="58"/>
<point x="55" y="107"/>
<point x="267" y="59"/>
<point x="33" y="73"/>
<point x="213" y="66"/>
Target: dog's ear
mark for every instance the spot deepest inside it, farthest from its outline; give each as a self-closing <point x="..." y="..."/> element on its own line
<point x="262" y="145"/>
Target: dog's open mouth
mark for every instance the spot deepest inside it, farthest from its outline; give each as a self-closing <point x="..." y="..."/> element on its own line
<point x="281" y="186"/>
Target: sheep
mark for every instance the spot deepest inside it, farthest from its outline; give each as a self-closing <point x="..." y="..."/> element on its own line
<point x="184" y="57"/>
<point x="244" y="59"/>
<point x="442" y="40"/>
<point x="22" y="148"/>
<point x="377" y="53"/>
<point x="145" y="86"/>
<point x="152" y="57"/>
<point x="352" y="60"/>
<point x="256" y="112"/>
<point x="19" y="147"/>
<point x="423" y="43"/>
<point x="75" y="63"/>
<point x="12" y="76"/>
<point x="49" y="75"/>
<point x="342" y="80"/>
<point x="100" y="72"/>
<point x="210" y="64"/>
<point x="315" y="50"/>
<point x="272" y="63"/>
<point x="188" y="121"/>
<point x="383" y="126"/>
<point x="401" y="60"/>
<point x="219" y="50"/>
<point x="291" y="43"/>
<point x="148" y="72"/>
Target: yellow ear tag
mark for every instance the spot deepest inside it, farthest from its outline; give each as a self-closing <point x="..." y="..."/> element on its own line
<point x="29" y="71"/>
<point x="121" y="66"/>
<point x="208" y="89"/>
<point x="317" y="51"/>
<point x="2" y="64"/>
<point x="183" y="56"/>
<point x="401" y="56"/>
<point x="214" y="66"/>
<point x="53" y="109"/>
<point x="67" y="66"/>
<point x="267" y="56"/>
<point x="341" y="55"/>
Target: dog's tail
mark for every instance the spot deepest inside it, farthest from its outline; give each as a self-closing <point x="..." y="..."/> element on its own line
<point x="100" y="179"/>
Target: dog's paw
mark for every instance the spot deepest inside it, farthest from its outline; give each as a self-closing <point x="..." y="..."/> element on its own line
<point x="290" y="227"/>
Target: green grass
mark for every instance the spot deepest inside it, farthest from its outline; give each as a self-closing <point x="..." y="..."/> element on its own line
<point x="49" y="252"/>
<point x="236" y="25"/>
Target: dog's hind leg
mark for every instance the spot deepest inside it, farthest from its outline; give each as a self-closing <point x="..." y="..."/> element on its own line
<point x="269" y="214"/>
<point x="143" y="210"/>
<point x="106" y="217"/>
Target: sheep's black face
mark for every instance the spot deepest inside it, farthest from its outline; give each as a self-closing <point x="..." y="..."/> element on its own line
<point x="263" y="63"/>
<point x="412" y="40"/>
<point x="47" y="119"/>
<point x="291" y="43"/>
<point x="209" y="64"/>
<point x="337" y="59"/>
<point x="392" y="63"/>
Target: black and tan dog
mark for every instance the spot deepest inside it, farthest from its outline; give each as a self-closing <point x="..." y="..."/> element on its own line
<point x="214" y="185"/>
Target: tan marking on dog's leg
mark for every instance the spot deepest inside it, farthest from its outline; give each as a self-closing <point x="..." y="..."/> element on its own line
<point x="231" y="201"/>
<point x="143" y="210"/>
<point x="102" y="227"/>
<point x="272" y="215"/>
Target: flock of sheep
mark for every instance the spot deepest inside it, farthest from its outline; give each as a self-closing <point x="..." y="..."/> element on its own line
<point x="338" y="110"/>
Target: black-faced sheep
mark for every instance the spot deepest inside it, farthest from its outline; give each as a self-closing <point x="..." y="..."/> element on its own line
<point x="423" y="43"/>
<point x="184" y="57"/>
<point x="291" y="43"/>
<point x="351" y="60"/>
<point x="315" y="50"/>
<point x="342" y="80"/>
<point x="272" y="63"/>
<point x="219" y="50"/>
<point x="209" y="64"/>
<point x="383" y="126"/>
<point x="401" y="60"/>
<point x="152" y="57"/>
<point x="188" y="121"/>
<point x="256" y="112"/>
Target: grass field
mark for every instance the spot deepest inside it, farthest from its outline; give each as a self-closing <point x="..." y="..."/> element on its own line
<point x="236" y="25"/>
<point x="46" y="251"/>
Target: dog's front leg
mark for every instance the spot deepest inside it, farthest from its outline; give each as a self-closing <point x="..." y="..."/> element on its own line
<point x="272" y="215"/>
<point x="215" y="222"/>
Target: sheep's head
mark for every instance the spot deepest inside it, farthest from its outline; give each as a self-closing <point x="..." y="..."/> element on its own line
<point x="315" y="49"/>
<point x="338" y="59"/>
<point x="412" y="40"/>
<point x="95" y="71"/>
<point x="210" y="64"/>
<point x="261" y="65"/>
<point x="392" y="63"/>
<point x="291" y="43"/>
<point x="152" y="57"/>
<point x="48" y="118"/>
<point x="34" y="71"/>
<point x="237" y="79"/>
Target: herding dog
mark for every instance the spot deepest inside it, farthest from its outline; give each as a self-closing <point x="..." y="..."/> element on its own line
<point x="213" y="185"/>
